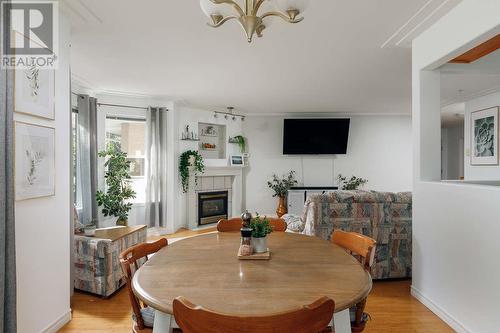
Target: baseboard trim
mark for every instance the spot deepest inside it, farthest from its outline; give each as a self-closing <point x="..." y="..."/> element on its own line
<point x="58" y="323"/>
<point x="440" y="312"/>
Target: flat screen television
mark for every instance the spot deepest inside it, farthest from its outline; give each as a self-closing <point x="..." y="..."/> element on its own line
<point x="315" y="136"/>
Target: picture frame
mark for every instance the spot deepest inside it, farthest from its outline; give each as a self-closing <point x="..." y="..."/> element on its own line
<point x="35" y="92"/>
<point x="237" y="160"/>
<point x="484" y="137"/>
<point x="34" y="161"/>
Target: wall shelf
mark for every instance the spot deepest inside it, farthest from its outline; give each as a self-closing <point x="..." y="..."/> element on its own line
<point x="190" y="140"/>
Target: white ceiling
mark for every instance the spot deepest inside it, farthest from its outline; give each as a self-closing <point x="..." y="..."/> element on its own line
<point x="331" y="62"/>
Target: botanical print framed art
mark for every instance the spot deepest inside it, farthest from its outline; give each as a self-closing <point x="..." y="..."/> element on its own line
<point x="484" y="137"/>
<point x="34" y="92"/>
<point x="34" y="161"/>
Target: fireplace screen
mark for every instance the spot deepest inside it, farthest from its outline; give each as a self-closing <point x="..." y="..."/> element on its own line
<point x="212" y="207"/>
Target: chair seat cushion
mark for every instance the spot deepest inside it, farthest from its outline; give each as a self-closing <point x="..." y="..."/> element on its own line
<point x="148" y="315"/>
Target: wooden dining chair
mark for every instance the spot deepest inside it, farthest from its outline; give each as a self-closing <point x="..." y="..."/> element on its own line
<point x="130" y="261"/>
<point x="311" y="318"/>
<point x="363" y="249"/>
<point x="236" y="223"/>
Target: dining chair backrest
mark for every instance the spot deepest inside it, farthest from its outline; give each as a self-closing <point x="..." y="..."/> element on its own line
<point x="130" y="261"/>
<point x="235" y="224"/>
<point x="311" y="318"/>
<point x="357" y="244"/>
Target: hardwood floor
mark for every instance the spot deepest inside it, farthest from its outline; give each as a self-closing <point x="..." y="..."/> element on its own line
<point x="392" y="309"/>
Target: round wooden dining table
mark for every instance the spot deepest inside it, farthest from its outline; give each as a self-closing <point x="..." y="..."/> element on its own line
<point x="205" y="269"/>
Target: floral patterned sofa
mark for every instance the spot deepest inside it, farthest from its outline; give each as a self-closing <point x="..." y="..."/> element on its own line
<point x="384" y="216"/>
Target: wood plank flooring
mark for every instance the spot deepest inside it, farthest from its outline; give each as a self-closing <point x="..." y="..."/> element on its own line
<point x="392" y="309"/>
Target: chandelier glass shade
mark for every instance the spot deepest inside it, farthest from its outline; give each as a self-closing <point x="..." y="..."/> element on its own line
<point x="253" y="15"/>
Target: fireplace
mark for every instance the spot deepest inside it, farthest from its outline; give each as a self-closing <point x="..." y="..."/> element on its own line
<point x="212" y="206"/>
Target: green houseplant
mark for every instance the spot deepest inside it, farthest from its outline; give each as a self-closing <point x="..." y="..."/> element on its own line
<point x="114" y="201"/>
<point x="352" y="183"/>
<point x="261" y="227"/>
<point x="241" y="141"/>
<point x="190" y="158"/>
<point x="280" y="186"/>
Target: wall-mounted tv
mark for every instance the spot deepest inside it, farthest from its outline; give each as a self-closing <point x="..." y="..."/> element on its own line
<point x="324" y="136"/>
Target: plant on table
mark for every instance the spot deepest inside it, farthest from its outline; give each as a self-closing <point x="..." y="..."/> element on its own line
<point x="115" y="201"/>
<point x="261" y="227"/>
<point x="190" y="158"/>
<point x="352" y="183"/>
<point x="280" y="186"/>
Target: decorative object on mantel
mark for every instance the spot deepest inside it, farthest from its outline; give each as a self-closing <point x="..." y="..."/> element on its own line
<point x="189" y="135"/>
<point x="189" y="158"/>
<point x="240" y="140"/>
<point x="118" y="192"/>
<point x="261" y="227"/>
<point x="353" y="183"/>
<point x="484" y="137"/>
<point x="252" y="14"/>
<point x="237" y="160"/>
<point x="280" y="186"/>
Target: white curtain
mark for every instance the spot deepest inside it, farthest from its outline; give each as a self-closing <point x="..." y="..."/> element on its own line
<point x="156" y="167"/>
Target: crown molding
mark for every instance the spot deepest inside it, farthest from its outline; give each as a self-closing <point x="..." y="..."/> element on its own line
<point x="425" y="17"/>
<point x="79" y="12"/>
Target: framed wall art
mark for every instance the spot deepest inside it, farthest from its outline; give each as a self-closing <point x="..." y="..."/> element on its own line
<point x="34" y="92"/>
<point x="484" y="137"/>
<point x="34" y="161"/>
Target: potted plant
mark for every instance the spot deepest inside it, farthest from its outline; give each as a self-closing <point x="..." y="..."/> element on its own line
<point x="350" y="184"/>
<point x="118" y="192"/>
<point x="190" y="158"/>
<point x="261" y="227"/>
<point x="241" y="141"/>
<point x="280" y="186"/>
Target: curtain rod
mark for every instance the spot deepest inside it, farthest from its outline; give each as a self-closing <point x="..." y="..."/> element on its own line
<point x="119" y="105"/>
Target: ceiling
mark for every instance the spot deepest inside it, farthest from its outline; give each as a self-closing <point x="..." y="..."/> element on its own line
<point x="331" y="62"/>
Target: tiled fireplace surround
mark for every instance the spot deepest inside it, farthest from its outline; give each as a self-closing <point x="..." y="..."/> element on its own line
<point x="216" y="179"/>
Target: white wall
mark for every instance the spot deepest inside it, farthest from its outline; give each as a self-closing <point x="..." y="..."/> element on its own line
<point x="476" y="172"/>
<point x="379" y="150"/>
<point x="455" y="226"/>
<point x="43" y="225"/>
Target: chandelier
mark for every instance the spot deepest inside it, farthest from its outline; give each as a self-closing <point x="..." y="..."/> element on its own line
<point x="253" y="15"/>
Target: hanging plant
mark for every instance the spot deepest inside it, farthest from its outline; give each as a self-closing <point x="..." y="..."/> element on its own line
<point x="240" y="140"/>
<point x="187" y="159"/>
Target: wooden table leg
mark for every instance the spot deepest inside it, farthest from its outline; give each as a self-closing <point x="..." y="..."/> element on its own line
<point x="163" y="322"/>
<point x="342" y="321"/>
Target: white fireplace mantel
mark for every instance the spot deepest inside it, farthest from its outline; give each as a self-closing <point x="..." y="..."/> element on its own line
<point x="232" y="173"/>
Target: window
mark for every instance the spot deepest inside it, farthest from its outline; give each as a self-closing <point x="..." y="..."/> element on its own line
<point x="129" y="134"/>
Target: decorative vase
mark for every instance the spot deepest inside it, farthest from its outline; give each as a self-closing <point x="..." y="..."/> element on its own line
<point x="281" y="207"/>
<point x="122" y="222"/>
<point x="259" y="244"/>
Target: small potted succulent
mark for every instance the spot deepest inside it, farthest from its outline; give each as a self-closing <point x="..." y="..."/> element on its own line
<point x="261" y="227"/>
